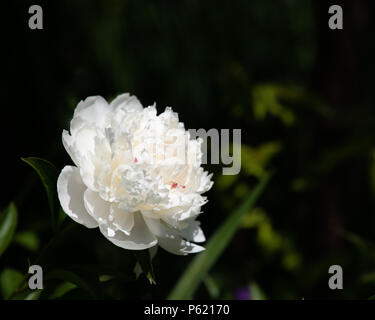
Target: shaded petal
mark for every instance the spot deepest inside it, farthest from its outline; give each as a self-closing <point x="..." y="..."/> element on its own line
<point x="179" y="246"/>
<point x="170" y="239"/>
<point x="122" y="220"/>
<point x="96" y="206"/>
<point x="91" y="151"/>
<point x="194" y="232"/>
<point x="68" y="144"/>
<point x="70" y="189"/>
<point x="139" y="238"/>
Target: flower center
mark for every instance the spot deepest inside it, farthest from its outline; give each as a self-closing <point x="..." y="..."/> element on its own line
<point x="175" y="185"/>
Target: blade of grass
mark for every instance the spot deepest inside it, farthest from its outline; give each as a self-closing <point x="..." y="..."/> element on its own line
<point x="202" y="263"/>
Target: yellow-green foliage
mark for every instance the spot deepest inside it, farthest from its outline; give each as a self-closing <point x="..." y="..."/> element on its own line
<point x="266" y="100"/>
<point x="256" y="159"/>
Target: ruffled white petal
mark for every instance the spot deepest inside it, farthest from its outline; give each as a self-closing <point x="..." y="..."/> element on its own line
<point x="70" y="190"/>
<point x="126" y="103"/>
<point x="94" y="110"/>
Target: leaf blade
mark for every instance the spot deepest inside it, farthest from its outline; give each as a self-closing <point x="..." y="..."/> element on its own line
<point x="144" y="260"/>
<point x="47" y="173"/>
<point x="74" y="278"/>
<point x="10" y="279"/>
<point x="8" y="225"/>
<point x="202" y="263"/>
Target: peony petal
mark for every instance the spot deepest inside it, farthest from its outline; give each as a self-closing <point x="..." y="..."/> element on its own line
<point x="194" y="232"/>
<point x="179" y="246"/>
<point x="139" y="238"/>
<point x="170" y="118"/>
<point x="96" y="206"/>
<point x="94" y="110"/>
<point x="91" y="150"/>
<point x="81" y="148"/>
<point x="68" y="144"/>
<point x="127" y="103"/>
<point x="122" y="220"/>
<point x="70" y="189"/>
<point x="99" y="209"/>
<point x="170" y="239"/>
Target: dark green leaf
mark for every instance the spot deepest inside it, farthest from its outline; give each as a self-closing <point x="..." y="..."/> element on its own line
<point x="10" y="279"/>
<point x="73" y="278"/>
<point x="48" y="174"/>
<point x="202" y="263"/>
<point x="33" y="295"/>
<point x="256" y="292"/>
<point x="62" y="289"/>
<point x="27" y="239"/>
<point x="144" y="261"/>
<point x="364" y="246"/>
<point x="27" y="294"/>
<point x="8" y="224"/>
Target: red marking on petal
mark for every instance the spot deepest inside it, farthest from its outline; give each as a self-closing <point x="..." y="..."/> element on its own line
<point x="135" y="160"/>
<point x="183" y="187"/>
<point x="174" y="185"/>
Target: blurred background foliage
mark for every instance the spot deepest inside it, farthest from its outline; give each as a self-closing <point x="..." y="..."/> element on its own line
<point x="301" y="93"/>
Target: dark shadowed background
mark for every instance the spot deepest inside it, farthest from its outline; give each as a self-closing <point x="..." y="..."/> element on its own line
<point x="302" y="94"/>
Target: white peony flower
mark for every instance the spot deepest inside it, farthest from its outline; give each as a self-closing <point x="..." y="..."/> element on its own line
<point x="138" y="176"/>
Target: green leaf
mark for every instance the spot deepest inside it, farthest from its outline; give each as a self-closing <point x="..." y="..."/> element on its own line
<point x="8" y="224"/>
<point x="50" y="249"/>
<point x="62" y="289"/>
<point x="22" y="292"/>
<point x="144" y="264"/>
<point x="27" y="294"/>
<point x="73" y="278"/>
<point x="48" y="174"/>
<point x="256" y="292"/>
<point x="28" y="240"/>
<point x="266" y="100"/>
<point x="33" y="295"/>
<point x="10" y="279"/>
<point x="364" y="246"/>
<point x="255" y="159"/>
<point x="203" y="262"/>
<point x="367" y="278"/>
